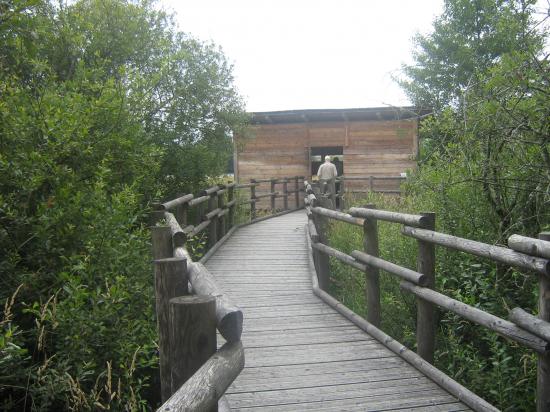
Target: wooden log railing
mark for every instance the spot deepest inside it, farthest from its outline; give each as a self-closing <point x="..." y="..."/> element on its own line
<point x="524" y="253"/>
<point x="190" y="306"/>
<point x="331" y="193"/>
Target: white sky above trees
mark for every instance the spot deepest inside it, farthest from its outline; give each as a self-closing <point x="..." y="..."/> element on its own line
<point x="311" y="54"/>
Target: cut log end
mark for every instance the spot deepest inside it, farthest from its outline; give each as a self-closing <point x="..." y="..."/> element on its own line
<point x="231" y="326"/>
<point x="179" y="239"/>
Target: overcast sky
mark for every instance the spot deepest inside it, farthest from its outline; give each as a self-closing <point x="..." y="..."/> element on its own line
<point x="311" y="54"/>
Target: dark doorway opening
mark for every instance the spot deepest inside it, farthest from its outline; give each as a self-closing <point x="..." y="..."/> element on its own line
<point x="317" y="158"/>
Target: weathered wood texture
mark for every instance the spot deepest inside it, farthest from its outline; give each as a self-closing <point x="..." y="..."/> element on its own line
<point x="301" y="354"/>
<point x="192" y="335"/>
<point x="378" y="148"/>
<point x="202" y="390"/>
<point x="170" y="281"/>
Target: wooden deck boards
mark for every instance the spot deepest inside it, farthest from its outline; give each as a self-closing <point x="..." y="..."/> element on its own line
<point x="300" y="353"/>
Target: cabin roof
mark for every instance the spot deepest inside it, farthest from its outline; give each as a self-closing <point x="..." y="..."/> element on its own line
<point x="336" y="115"/>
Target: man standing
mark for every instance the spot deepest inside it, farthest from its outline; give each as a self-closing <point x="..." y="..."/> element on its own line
<point x="327" y="170"/>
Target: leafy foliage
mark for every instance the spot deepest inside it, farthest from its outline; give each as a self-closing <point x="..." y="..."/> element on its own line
<point x="103" y="105"/>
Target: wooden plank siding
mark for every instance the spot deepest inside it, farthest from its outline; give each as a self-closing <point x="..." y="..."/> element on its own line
<point x="373" y="147"/>
<point x="300" y="353"/>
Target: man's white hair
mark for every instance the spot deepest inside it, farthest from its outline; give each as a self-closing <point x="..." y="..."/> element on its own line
<point x="327" y="158"/>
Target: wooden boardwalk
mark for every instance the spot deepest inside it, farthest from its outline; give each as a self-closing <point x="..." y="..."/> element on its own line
<point x="300" y="353"/>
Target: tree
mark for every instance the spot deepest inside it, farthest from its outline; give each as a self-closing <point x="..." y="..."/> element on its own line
<point x="104" y="104"/>
<point x="468" y="39"/>
<point x="484" y="72"/>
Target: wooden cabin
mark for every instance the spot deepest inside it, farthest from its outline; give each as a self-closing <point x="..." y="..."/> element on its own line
<point x="377" y="141"/>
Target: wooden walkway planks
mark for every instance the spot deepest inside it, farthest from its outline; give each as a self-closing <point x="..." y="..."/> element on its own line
<point x="300" y="353"/>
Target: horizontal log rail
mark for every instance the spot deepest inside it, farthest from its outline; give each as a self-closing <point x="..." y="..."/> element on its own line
<point x="530" y="323"/>
<point x="525" y="253"/>
<point x="334" y="214"/>
<point x="201" y="391"/>
<point x="495" y="253"/>
<point x="192" y="377"/>
<point x="404" y="218"/>
<point x="366" y="177"/>
<point x="502" y="327"/>
<point x="198" y="200"/>
<point x="267" y="195"/>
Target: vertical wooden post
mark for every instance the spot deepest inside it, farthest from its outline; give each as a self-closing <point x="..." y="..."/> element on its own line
<point x="297" y="191"/>
<point x="372" y="274"/>
<point x="231" y="215"/>
<point x="543" y="362"/>
<point x="371" y="184"/>
<point x="222" y="219"/>
<point x="285" y="194"/>
<point x="341" y="204"/>
<point x="426" y="316"/>
<point x="199" y="214"/>
<point x="252" y="197"/>
<point x="322" y="259"/>
<point x="213" y="226"/>
<point x="184" y="210"/>
<point x="192" y="335"/>
<point x="272" y="189"/>
<point x="156" y="214"/>
<point x="170" y="281"/>
<point x="315" y="252"/>
<point x="332" y="192"/>
<point x="161" y="240"/>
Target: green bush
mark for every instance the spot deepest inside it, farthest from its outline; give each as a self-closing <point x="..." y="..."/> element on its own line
<point x="103" y="105"/>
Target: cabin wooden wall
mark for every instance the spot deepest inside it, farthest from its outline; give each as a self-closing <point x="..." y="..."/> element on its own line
<point x="378" y="148"/>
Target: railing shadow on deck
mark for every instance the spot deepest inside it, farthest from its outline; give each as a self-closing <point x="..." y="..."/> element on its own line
<point x="189" y="304"/>
<point x="528" y="254"/>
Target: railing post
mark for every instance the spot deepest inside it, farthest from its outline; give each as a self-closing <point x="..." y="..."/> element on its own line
<point x="181" y="214"/>
<point x="341" y="204"/>
<point x="170" y="281"/>
<point x="332" y="188"/>
<point x="161" y="241"/>
<point x="322" y="260"/>
<point x="372" y="274"/>
<point x="543" y="361"/>
<point x="426" y="316"/>
<point x="297" y="191"/>
<point x="272" y="197"/>
<point x="192" y="335"/>
<point x="213" y="226"/>
<point x="252" y="197"/>
<point x="222" y="219"/>
<point x="230" y="198"/>
<point x="371" y="184"/>
<point x="285" y="194"/>
<point x="199" y="213"/>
